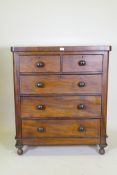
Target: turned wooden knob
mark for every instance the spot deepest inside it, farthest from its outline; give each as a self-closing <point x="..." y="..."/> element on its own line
<point x="41" y="129"/>
<point x="40" y="64"/>
<point x="40" y="84"/>
<point x="40" y="107"/>
<point x="82" y="63"/>
<point x="81" y="129"/>
<point x="81" y="84"/>
<point x="81" y="106"/>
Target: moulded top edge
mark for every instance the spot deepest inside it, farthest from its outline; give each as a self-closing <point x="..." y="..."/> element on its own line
<point x="61" y="48"/>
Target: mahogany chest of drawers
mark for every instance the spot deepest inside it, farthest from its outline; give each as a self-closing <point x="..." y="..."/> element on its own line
<point x="61" y="95"/>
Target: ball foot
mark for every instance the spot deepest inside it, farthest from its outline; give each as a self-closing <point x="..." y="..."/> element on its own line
<point x="20" y="151"/>
<point x="101" y="151"/>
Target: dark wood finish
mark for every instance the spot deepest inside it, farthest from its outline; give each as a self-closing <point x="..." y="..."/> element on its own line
<point x="104" y="98"/>
<point x="70" y="106"/>
<point x="17" y="94"/>
<point x="61" y="141"/>
<point x="57" y="49"/>
<point x="60" y="84"/>
<point x="60" y="128"/>
<point x="61" y="95"/>
<point x="79" y="63"/>
<point x="39" y="63"/>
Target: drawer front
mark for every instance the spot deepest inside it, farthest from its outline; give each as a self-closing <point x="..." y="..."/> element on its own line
<point x="65" y="106"/>
<point x="60" y="84"/>
<point x="82" y="63"/>
<point x="60" y="128"/>
<point x="39" y="63"/>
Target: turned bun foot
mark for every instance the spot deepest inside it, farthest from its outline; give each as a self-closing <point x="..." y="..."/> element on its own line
<point x="101" y="151"/>
<point x="20" y="151"/>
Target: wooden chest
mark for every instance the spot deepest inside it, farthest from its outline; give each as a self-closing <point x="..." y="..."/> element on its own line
<point x="61" y="95"/>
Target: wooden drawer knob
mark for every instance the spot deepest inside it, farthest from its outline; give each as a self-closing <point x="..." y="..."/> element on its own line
<point x="81" y="129"/>
<point x="81" y="106"/>
<point x="40" y="64"/>
<point x="41" y="129"/>
<point x="81" y="84"/>
<point x="40" y="85"/>
<point x="82" y="63"/>
<point x="41" y="107"/>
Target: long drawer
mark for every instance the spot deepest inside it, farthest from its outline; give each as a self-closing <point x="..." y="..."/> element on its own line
<point x="60" y="84"/>
<point x="64" y="106"/>
<point x="60" y="128"/>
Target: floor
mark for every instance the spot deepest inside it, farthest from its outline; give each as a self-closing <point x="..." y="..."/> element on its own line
<point x="58" y="160"/>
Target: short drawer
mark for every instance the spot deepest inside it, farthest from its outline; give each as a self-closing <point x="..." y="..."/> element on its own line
<point x="64" y="106"/>
<point x="82" y="63"/>
<point x="60" y="128"/>
<point x="39" y="63"/>
<point x="60" y="84"/>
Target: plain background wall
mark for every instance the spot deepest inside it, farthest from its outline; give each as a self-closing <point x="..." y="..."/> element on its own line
<point x="55" y="22"/>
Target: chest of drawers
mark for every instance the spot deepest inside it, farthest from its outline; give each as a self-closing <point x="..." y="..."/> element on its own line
<point x="61" y="95"/>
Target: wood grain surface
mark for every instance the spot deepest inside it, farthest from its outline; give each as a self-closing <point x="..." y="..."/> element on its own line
<point x="72" y="63"/>
<point x="30" y="63"/>
<point x="61" y="128"/>
<point x="60" y="84"/>
<point x="64" y="106"/>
